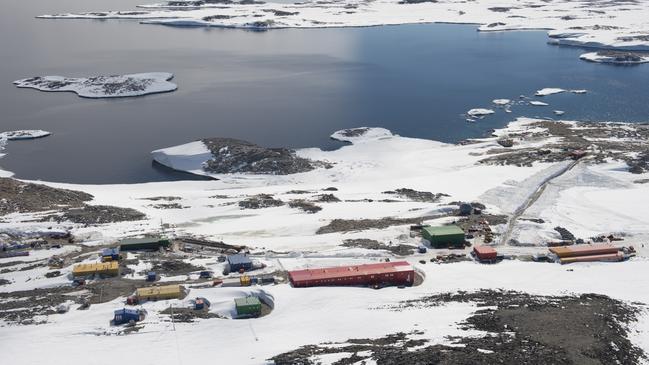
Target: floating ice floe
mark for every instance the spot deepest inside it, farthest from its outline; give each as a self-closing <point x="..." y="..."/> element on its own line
<point x="501" y="101"/>
<point x="538" y="103"/>
<point x="24" y="134"/>
<point x="104" y="86"/>
<point x="613" y="25"/>
<point x="479" y="112"/>
<point x="559" y="112"/>
<point x="549" y="91"/>
<point x="614" y="57"/>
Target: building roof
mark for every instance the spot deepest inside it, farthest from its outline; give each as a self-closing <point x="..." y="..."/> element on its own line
<point x="443" y="230"/>
<point x="129" y="311"/>
<point x="135" y="241"/>
<point x="239" y="302"/>
<point x="484" y="250"/>
<point x="153" y="291"/>
<point x="110" y="251"/>
<point x="583" y="250"/>
<point x="238" y="259"/>
<point x="346" y="271"/>
<point x="95" y="267"/>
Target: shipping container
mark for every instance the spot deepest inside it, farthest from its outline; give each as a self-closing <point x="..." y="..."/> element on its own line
<point x="584" y="250"/>
<point x="123" y="316"/>
<point x="485" y="253"/>
<point x="245" y="280"/>
<point x="201" y="303"/>
<point x="147" y="243"/>
<point x="385" y="273"/>
<point x="110" y="254"/>
<point x="101" y="268"/>
<point x="608" y="257"/>
<point x="444" y="236"/>
<point x="160" y="292"/>
<point x="151" y="276"/>
<point x="247" y="307"/>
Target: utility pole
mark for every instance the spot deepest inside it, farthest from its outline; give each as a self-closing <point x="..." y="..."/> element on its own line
<point x="173" y="324"/>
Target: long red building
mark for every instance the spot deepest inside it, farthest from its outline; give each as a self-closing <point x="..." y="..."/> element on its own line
<point x="384" y="273"/>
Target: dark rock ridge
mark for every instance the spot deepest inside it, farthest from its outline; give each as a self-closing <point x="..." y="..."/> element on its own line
<point x="21" y="197"/>
<point x="236" y="156"/>
<point x="521" y="329"/>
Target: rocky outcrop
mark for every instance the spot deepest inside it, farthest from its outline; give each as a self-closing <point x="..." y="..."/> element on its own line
<point x="236" y="156"/>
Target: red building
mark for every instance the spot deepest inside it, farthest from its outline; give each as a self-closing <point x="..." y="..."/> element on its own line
<point x="485" y="253"/>
<point x="384" y="273"/>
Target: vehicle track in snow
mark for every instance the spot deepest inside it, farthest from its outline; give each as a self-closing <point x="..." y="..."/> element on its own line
<point x="532" y="198"/>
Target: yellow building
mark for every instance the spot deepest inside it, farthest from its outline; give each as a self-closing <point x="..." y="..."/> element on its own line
<point x="160" y="292"/>
<point x="100" y="268"/>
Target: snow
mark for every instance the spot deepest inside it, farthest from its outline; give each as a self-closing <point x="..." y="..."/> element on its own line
<point x="573" y="23"/>
<point x="362" y="134"/>
<point x="24" y="134"/>
<point x="549" y="91"/>
<point x="604" y="58"/>
<point x="308" y="316"/>
<point x="588" y="200"/>
<point x="188" y="157"/>
<point x="538" y="103"/>
<point x="104" y="86"/>
<point x="479" y="112"/>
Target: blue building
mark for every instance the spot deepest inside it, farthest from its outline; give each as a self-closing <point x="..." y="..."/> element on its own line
<point x="123" y="316"/>
<point x="151" y="276"/>
<point x="110" y="254"/>
<point x="238" y="262"/>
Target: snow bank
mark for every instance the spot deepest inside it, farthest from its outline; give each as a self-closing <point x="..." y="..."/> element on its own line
<point x="188" y="157"/>
<point x="103" y="86"/>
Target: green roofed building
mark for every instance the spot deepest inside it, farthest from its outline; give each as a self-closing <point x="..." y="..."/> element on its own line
<point x="443" y="236"/>
<point x="248" y="307"/>
<point x="147" y="243"/>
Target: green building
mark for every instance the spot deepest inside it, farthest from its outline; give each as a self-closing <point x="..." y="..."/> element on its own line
<point x="443" y="236"/>
<point x="248" y="307"/>
<point x="147" y="243"/>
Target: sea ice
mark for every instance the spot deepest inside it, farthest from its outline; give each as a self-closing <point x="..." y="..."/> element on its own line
<point x="479" y="112"/>
<point x="549" y="91"/>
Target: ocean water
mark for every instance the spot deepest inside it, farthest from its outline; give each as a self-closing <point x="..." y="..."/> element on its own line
<point x="289" y="87"/>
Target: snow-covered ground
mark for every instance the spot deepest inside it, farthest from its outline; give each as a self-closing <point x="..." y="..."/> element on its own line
<point x="590" y="23"/>
<point x="589" y="200"/>
<point x="113" y="86"/>
<point x="308" y="316"/>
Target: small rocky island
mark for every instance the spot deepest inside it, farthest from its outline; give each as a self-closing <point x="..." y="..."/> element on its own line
<point x="616" y="57"/>
<point x="114" y="86"/>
